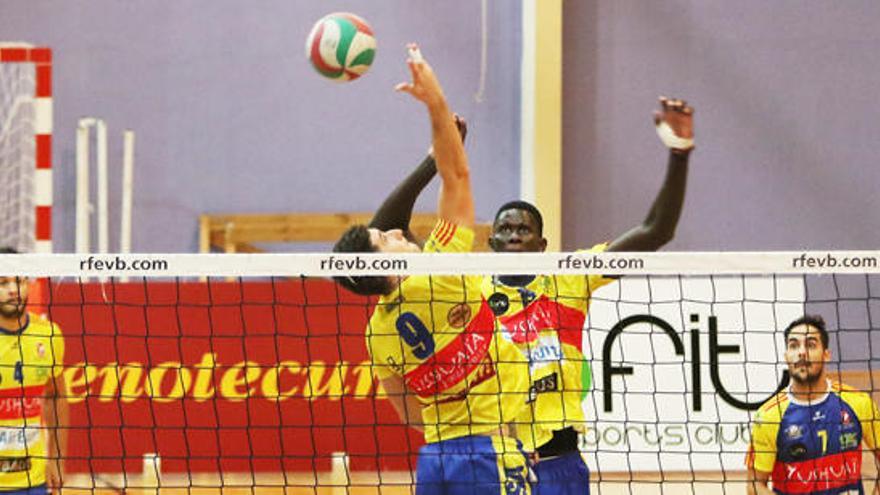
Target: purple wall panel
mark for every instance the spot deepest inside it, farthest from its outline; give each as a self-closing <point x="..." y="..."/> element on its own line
<point x="786" y="120"/>
<point x="230" y="117"/>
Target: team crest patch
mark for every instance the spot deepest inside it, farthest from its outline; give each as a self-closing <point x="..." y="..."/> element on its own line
<point x="41" y="350"/>
<point x="499" y="303"/>
<point x="794" y="432"/>
<point x="845" y="418"/>
<point x="459" y="315"/>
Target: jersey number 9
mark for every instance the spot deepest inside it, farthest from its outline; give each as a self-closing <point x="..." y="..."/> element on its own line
<point x="416" y="335"/>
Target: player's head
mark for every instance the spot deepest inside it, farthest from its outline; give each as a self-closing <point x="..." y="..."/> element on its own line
<point x="806" y="349"/>
<point x="361" y="239"/>
<point x="13" y="293"/>
<point x="518" y="227"/>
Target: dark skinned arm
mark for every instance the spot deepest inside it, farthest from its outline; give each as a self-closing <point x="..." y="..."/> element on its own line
<point x="396" y="211"/>
<point x="658" y="228"/>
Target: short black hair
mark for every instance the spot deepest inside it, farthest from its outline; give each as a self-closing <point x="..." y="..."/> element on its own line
<point x="814" y="321"/>
<point x="519" y="204"/>
<point x="8" y="250"/>
<point x="357" y="240"/>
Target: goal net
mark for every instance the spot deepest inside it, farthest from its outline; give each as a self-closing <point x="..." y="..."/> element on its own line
<point x="250" y="373"/>
<point x="25" y="147"/>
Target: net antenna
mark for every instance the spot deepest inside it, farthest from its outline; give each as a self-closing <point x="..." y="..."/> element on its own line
<point x="26" y="146"/>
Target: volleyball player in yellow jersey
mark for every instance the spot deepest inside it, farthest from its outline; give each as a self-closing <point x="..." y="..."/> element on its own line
<point x="545" y="315"/>
<point x="432" y="339"/>
<point x="32" y="404"/>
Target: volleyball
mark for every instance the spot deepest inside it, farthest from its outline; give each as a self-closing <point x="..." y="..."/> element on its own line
<point x="341" y="46"/>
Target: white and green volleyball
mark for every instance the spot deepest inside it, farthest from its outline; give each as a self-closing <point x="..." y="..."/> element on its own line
<point x="341" y="46"/>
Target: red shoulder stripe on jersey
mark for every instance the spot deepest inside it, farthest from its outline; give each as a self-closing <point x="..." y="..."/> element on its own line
<point x="440" y="230"/>
<point x="842" y="387"/>
<point x="775" y="401"/>
<point x="450" y="232"/>
<point x="455" y="362"/>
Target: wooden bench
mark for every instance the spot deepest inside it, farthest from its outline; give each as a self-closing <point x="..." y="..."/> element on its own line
<point x="238" y="233"/>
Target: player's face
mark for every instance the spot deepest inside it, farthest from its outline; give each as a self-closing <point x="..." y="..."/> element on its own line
<point x="392" y="241"/>
<point x="13" y="296"/>
<point x="516" y="231"/>
<point x="805" y="354"/>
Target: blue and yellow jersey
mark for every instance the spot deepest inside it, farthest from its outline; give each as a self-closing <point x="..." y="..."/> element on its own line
<point x="545" y="320"/>
<point x="815" y="447"/>
<point x="29" y="358"/>
<point x="439" y="334"/>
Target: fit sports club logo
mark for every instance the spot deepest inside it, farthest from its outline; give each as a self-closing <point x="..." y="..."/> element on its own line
<point x="695" y="360"/>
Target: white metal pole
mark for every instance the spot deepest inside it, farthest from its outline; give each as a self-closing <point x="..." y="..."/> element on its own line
<point x="82" y="186"/>
<point x="103" y="185"/>
<point x="127" y="191"/>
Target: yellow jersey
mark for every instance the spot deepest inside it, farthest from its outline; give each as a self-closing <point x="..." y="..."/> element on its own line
<point x="29" y="358"/>
<point x="438" y="333"/>
<point x="545" y="319"/>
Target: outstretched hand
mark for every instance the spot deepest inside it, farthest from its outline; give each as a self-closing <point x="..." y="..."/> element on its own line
<point x="678" y="115"/>
<point x="675" y="124"/>
<point x="424" y="86"/>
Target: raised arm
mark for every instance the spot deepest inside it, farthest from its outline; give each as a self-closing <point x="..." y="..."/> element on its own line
<point x="456" y="202"/>
<point x="396" y="211"/>
<point x="675" y="125"/>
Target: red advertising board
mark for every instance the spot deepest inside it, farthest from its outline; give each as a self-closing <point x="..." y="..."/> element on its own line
<point x="223" y="377"/>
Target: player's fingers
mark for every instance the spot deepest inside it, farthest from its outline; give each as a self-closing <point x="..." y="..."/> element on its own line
<point x="658" y="117"/>
<point x="688" y="110"/>
<point x="404" y="87"/>
<point x="415" y="54"/>
<point x="664" y="102"/>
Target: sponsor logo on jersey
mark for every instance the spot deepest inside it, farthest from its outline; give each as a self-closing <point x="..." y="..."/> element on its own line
<point x="797" y="451"/>
<point x="14" y="464"/>
<point x="849" y="440"/>
<point x="543" y="314"/>
<point x="19" y="438"/>
<point x="549" y="383"/>
<point x="459" y="315"/>
<point x="499" y="303"/>
<point x="818" y="416"/>
<point x="452" y="364"/>
<point x="794" y="432"/>
<point x="546" y="350"/>
<point x="827" y="474"/>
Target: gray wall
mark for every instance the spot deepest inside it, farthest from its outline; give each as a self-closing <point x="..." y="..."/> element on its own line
<point x="230" y="117"/>
<point x="850" y="305"/>
<point x="786" y="98"/>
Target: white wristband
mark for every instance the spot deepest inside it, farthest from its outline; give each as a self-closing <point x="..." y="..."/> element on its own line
<point x="671" y="140"/>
